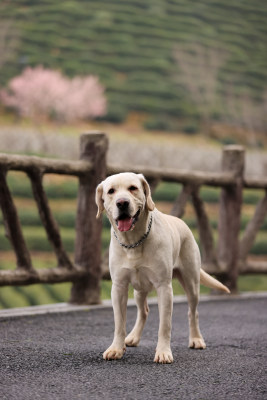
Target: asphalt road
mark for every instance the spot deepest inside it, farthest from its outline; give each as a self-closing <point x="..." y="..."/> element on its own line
<point x="59" y="356"/>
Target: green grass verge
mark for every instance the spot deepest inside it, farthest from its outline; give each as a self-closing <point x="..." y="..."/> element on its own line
<point x="24" y="296"/>
<point x="252" y="283"/>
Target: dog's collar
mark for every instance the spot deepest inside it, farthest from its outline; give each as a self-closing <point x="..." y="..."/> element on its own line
<point x="143" y="238"/>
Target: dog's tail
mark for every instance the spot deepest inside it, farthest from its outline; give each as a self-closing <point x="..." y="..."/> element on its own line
<point x="209" y="281"/>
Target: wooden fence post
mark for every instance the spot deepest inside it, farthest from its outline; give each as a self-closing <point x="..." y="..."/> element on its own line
<point x="93" y="148"/>
<point x="229" y="216"/>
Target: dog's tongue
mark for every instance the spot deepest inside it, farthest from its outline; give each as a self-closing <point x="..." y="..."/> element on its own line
<point x="125" y="224"/>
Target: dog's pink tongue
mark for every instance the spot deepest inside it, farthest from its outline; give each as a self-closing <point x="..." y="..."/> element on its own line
<point x="125" y="224"/>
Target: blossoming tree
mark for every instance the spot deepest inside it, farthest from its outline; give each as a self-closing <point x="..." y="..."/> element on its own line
<point x="42" y="93"/>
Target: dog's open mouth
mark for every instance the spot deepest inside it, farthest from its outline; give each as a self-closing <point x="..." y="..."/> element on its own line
<point x="127" y="223"/>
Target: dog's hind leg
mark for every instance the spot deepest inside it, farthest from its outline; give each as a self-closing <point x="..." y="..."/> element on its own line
<point x="189" y="277"/>
<point x="134" y="336"/>
<point x="196" y="340"/>
<point x="165" y="302"/>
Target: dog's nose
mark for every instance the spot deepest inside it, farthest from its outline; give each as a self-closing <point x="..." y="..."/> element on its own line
<point x="122" y="204"/>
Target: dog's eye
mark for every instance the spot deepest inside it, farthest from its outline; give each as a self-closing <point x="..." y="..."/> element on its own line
<point x="132" y="188"/>
<point x="111" y="191"/>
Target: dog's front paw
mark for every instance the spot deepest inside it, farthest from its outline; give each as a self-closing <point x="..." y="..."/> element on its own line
<point x="197" y="343"/>
<point x="113" y="353"/>
<point x="132" y="340"/>
<point x="163" y="356"/>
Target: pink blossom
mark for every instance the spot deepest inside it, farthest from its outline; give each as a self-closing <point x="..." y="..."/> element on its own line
<point x="40" y="92"/>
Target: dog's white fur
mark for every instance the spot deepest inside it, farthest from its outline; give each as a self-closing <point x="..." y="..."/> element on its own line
<point x="170" y="245"/>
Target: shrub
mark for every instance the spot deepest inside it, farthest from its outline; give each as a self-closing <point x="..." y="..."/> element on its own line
<point x="190" y="129"/>
<point x="66" y="190"/>
<point x="160" y="123"/>
<point x="210" y="195"/>
<point x="40" y="92"/>
<point x="259" y="248"/>
<point x="21" y="187"/>
<point x="115" y="114"/>
<point x="227" y="140"/>
<point x="166" y="192"/>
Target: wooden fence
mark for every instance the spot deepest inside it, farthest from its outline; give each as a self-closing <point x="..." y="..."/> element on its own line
<point x="85" y="272"/>
<point x="227" y="261"/>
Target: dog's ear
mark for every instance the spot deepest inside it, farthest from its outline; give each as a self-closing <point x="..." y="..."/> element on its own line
<point x="99" y="200"/>
<point x="150" y="205"/>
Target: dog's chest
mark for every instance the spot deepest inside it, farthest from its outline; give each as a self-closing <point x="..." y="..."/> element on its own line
<point x="140" y="274"/>
<point x="140" y="279"/>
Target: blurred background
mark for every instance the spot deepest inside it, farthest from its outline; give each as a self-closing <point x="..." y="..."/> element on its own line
<point x="170" y="82"/>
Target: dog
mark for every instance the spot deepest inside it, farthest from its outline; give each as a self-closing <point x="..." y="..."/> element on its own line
<point x="146" y="247"/>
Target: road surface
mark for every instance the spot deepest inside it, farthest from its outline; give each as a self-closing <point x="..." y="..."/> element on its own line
<point x="59" y="356"/>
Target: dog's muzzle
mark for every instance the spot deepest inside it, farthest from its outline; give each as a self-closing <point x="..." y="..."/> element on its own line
<point x="125" y="222"/>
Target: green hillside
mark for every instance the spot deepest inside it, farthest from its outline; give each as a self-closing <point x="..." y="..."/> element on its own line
<point x="130" y="44"/>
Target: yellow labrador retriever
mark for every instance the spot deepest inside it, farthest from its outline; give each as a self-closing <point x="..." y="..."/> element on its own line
<point x="146" y="245"/>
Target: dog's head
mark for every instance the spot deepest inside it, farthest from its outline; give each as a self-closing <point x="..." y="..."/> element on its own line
<point x="124" y="197"/>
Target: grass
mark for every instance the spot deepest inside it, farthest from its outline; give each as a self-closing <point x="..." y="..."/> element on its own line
<point x="23" y="296"/>
<point x="252" y="283"/>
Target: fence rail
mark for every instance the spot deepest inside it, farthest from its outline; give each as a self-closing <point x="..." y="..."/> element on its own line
<point x="227" y="261"/>
<point x="182" y="176"/>
<point x="44" y="165"/>
<point x="214" y="179"/>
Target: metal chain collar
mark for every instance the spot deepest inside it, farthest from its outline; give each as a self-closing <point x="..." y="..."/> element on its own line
<point x="143" y="238"/>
